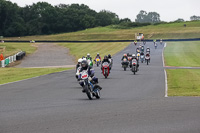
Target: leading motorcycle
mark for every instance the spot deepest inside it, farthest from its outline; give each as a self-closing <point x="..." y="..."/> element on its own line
<point x="90" y="89"/>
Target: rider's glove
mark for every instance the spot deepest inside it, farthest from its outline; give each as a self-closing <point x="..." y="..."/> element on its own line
<point x="90" y="79"/>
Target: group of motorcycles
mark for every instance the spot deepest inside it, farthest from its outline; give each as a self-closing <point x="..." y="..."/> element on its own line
<point x="91" y="89"/>
<point x="133" y="62"/>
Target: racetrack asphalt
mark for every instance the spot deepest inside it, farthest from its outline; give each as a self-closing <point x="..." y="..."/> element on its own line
<point x="129" y="103"/>
<point x="48" y="55"/>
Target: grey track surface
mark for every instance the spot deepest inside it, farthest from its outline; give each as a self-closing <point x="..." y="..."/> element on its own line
<point x="48" y="55"/>
<point x="130" y="103"/>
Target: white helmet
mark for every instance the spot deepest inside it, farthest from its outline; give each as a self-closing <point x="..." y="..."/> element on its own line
<point x="88" y="54"/>
<point x="80" y="60"/>
<point x="133" y="55"/>
<point x="84" y="59"/>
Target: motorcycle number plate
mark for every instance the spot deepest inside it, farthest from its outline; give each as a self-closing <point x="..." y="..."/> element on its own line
<point x="98" y="59"/>
<point x="84" y="76"/>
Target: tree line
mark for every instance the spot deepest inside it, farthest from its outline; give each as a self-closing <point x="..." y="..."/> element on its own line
<point x="43" y="18"/>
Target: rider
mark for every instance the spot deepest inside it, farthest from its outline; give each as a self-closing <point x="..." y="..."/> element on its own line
<point x="135" y="42"/>
<point x="124" y="56"/>
<point x="89" y="57"/>
<point x="106" y="60"/>
<point x="90" y="70"/>
<point x="134" y="57"/>
<point x="79" y="63"/>
<point x="147" y="55"/>
<point x="97" y="57"/>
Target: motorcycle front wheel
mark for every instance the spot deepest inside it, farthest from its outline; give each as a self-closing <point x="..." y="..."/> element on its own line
<point x="88" y="92"/>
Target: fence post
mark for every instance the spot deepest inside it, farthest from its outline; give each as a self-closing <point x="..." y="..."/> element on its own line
<point x="3" y="63"/>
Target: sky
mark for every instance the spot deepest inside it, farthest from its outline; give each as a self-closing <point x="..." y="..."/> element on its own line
<point x="169" y="10"/>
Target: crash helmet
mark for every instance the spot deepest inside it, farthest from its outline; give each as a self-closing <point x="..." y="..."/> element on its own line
<point x="88" y="55"/>
<point x="97" y="54"/>
<point x="133" y="56"/>
<point x="83" y="57"/>
<point x="84" y="64"/>
<point x="105" y="57"/>
<point x="80" y="60"/>
<point x="109" y="56"/>
<point x="125" y="55"/>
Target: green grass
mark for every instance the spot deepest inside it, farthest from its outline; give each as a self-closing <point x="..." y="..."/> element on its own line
<point x="81" y="49"/>
<point x="164" y="31"/>
<point x="182" y="54"/>
<point x="16" y="74"/>
<point x="183" y="82"/>
<point x="13" y="48"/>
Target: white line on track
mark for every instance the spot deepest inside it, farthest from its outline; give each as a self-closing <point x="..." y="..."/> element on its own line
<point x="166" y="86"/>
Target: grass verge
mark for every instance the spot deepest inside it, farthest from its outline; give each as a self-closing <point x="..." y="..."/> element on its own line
<point x="164" y="31"/>
<point x="81" y="49"/>
<point x="182" y="54"/>
<point x="13" y="48"/>
<point x="15" y="74"/>
<point x="183" y="82"/>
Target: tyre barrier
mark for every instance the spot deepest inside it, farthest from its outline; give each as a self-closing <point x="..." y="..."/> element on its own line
<point x="20" y="55"/>
<point x="13" y="58"/>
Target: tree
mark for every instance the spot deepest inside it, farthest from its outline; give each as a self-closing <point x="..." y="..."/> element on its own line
<point x="179" y="20"/>
<point x="153" y="17"/>
<point x="144" y="17"/>
<point x="141" y="17"/>
<point x="193" y="18"/>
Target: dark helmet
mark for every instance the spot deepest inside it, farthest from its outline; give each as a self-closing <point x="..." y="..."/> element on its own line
<point x="127" y="54"/>
<point x="97" y="54"/>
<point x="83" y="57"/>
<point x="84" y="64"/>
<point x="109" y="56"/>
<point x="105" y="57"/>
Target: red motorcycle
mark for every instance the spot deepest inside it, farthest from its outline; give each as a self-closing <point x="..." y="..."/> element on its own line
<point x="105" y="69"/>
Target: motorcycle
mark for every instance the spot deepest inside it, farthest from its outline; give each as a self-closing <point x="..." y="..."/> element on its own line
<point x="142" y="58"/>
<point x="78" y="72"/>
<point x="134" y="66"/>
<point x="130" y="59"/>
<point x="105" y="69"/>
<point x="138" y="56"/>
<point x="155" y="45"/>
<point x="148" y="50"/>
<point x="90" y="89"/>
<point x="142" y="49"/>
<point x="90" y="63"/>
<point x="98" y="62"/>
<point x="147" y="59"/>
<point x="111" y="63"/>
<point x="125" y="64"/>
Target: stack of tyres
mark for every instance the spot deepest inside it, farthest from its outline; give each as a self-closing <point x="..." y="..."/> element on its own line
<point x="20" y="55"/>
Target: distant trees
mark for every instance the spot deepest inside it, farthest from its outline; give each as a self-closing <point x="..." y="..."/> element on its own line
<point x="43" y="18"/>
<point x="193" y="18"/>
<point x="144" y="17"/>
<point x="179" y="20"/>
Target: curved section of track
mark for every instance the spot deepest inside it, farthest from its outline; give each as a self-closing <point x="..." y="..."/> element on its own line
<point x="130" y="103"/>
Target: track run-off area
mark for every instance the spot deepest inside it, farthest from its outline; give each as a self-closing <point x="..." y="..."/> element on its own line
<point x="129" y="103"/>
